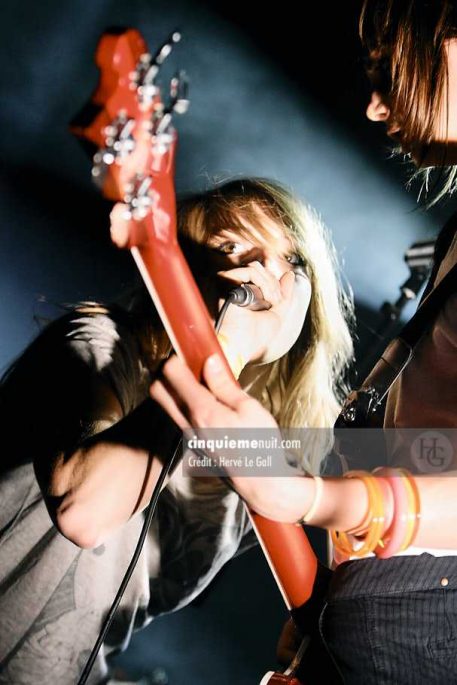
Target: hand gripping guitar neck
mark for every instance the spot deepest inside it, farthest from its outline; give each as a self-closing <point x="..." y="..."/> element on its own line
<point x="131" y="128"/>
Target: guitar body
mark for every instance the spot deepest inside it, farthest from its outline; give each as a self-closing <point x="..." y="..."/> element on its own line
<point x="130" y="126"/>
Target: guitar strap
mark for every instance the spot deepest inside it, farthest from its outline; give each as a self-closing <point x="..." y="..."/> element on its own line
<point x="362" y="404"/>
<point x="442" y="247"/>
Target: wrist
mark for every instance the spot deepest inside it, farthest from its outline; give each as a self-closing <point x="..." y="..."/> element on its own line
<point x="342" y="504"/>
<point x="388" y="503"/>
<point x="280" y="499"/>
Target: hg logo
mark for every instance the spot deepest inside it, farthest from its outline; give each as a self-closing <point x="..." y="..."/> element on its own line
<point x="432" y="452"/>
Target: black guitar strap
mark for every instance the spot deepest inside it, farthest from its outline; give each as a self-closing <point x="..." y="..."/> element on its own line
<point x="364" y="402"/>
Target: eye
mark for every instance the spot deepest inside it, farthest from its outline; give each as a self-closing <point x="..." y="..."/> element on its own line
<point x="295" y="259"/>
<point x="230" y="248"/>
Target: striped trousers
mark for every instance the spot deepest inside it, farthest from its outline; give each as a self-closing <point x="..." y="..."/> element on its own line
<point x="393" y="621"/>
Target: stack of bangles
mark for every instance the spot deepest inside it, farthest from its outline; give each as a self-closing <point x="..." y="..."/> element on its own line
<point x="370" y="535"/>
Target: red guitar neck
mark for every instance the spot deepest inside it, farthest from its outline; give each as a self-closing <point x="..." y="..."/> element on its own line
<point x="134" y="165"/>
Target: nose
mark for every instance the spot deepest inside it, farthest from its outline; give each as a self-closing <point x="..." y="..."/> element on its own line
<point x="377" y="109"/>
<point x="253" y="254"/>
<point x="272" y="261"/>
<point x="276" y="265"/>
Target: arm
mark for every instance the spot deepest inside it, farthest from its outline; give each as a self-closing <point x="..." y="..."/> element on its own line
<point x="96" y="488"/>
<point x="95" y="457"/>
<point x="344" y="503"/>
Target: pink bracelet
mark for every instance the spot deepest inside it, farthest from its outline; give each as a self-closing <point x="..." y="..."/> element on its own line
<point x="398" y="537"/>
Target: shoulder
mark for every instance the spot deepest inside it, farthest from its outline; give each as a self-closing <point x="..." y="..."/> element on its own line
<point x="88" y="344"/>
<point x="96" y="334"/>
<point x="106" y="340"/>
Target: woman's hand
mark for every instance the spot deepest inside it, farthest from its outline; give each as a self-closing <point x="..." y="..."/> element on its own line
<point x="266" y="335"/>
<point x="223" y="404"/>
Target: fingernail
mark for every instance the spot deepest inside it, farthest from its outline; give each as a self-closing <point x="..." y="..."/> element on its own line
<point x="215" y="363"/>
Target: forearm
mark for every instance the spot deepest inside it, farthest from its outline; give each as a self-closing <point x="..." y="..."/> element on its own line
<point x="98" y="489"/>
<point x="343" y="504"/>
<point x="438" y="521"/>
<point x="97" y="485"/>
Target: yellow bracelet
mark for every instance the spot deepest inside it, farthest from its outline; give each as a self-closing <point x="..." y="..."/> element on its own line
<point x="318" y="492"/>
<point x="236" y="362"/>
<point x="341" y="540"/>
<point x="413" y="508"/>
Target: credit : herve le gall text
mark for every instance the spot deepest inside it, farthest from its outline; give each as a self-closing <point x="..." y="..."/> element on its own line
<point x="224" y="462"/>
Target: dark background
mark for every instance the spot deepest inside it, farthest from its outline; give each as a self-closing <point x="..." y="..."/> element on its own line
<point x="276" y="92"/>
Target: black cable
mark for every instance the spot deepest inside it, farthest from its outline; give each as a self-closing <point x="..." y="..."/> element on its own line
<point x="222" y="313"/>
<point x="128" y="574"/>
<point x="144" y="530"/>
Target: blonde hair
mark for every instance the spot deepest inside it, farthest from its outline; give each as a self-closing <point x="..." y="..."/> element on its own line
<point x="310" y="378"/>
<point x="308" y="382"/>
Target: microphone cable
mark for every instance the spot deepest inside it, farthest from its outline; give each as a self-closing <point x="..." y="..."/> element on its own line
<point x="150" y="511"/>
<point x="235" y="294"/>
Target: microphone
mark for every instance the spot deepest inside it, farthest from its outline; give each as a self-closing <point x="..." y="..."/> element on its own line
<point x="248" y="295"/>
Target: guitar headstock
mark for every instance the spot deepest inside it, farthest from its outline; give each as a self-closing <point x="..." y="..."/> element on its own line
<point x="131" y="127"/>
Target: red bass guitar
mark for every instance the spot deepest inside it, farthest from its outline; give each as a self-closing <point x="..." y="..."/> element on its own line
<point x="131" y="128"/>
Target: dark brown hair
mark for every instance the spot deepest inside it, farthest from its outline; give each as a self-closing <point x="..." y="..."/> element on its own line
<point x="405" y="40"/>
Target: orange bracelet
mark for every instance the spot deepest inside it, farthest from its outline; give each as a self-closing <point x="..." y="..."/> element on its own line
<point x="411" y="515"/>
<point x="362" y="528"/>
<point x="375" y="515"/>
<point x="417" y="504"/>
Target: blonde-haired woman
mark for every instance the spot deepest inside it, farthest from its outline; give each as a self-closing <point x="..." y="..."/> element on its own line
<point x="91" y="445"/>
<point x="263" y="232"/>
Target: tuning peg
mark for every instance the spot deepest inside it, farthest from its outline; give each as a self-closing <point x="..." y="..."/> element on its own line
<point x="178" y="103"/>
<point x="165" y="49"/>
<point x="148" y="67"/>
<point x="137" y="197"/>
<point x="152" y="68"/>
<point x="179" y="88"/>
<point x="119" y="143"/>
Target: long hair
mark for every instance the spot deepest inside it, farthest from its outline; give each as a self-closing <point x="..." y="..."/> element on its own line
<point x="305" y="387"/>
<point x="405" y="40"/>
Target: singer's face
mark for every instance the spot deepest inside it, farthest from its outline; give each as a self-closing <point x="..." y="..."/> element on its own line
<point x="269" y="255"/>
<point x="273" y="249"/>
